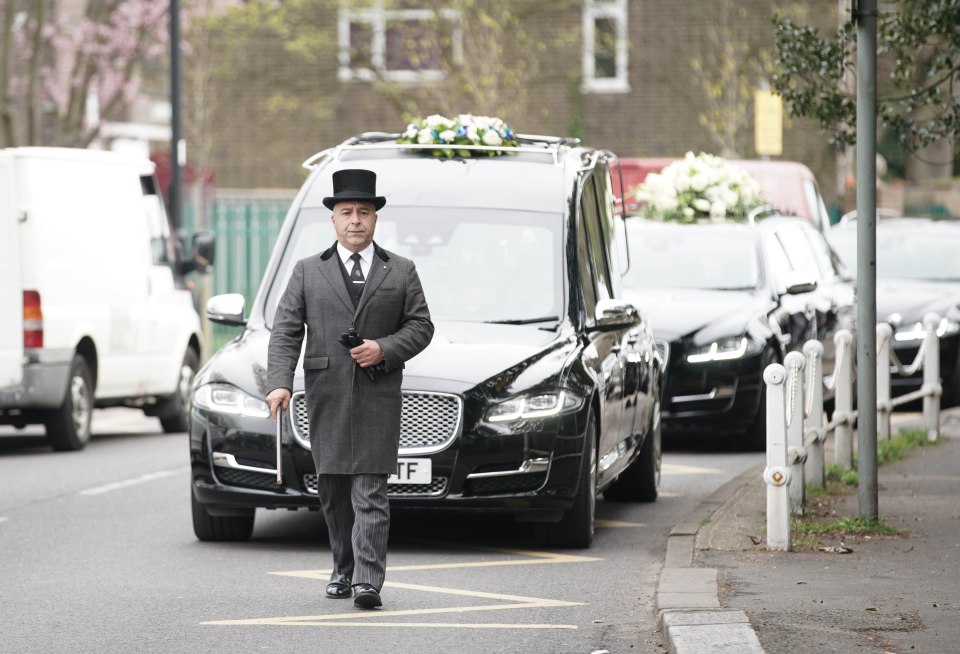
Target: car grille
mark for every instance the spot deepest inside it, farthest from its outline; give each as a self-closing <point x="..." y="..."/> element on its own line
<point x="428" y="421"/>
<point x="436" y="487"/>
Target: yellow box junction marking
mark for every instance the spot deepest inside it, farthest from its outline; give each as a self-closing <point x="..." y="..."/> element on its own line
<point x="616" y="524"/>
<point x="371" y="619"/>
<point x="678" y="469"/>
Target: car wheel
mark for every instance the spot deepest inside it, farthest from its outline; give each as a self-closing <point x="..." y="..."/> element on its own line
<point x="219" y="528"/>
<point x="575" y="528"/>
<point x="68" y="427"/>
<point x="640" y="482"/>
<point x="175" y="412"/>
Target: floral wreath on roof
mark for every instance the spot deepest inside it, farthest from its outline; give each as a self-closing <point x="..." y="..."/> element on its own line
<point x="701" y="188"/>
<point x="465" y="129"/>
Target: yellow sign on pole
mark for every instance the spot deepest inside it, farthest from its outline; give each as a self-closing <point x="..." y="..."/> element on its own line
<point x="767" y="123"/>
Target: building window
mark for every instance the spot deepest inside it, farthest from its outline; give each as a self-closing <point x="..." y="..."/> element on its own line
<point x="403" y="45"/>
<point x="605" y="46"/>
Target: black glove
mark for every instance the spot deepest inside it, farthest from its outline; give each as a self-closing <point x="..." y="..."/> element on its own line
<point x="351" y="340"/>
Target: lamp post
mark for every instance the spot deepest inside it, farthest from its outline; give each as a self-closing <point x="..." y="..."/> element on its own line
<point x="865" y="15"/>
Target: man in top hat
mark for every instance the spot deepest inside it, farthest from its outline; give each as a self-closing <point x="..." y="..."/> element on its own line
<point x="354" y="417"/>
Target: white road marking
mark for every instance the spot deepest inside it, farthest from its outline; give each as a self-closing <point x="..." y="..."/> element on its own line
<point x="3" y="519"/>
<point x="677" y="469"/>
<point x="133" y="481"/>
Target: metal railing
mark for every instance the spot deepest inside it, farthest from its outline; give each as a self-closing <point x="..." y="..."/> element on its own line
<point x="797" y="427"/>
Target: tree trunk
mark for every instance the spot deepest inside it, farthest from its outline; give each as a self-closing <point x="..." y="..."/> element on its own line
<point x="33" y="82"/>
<point x="6" y="52"/>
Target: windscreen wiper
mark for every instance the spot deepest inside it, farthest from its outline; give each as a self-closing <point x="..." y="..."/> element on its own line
<point x="523" y="321"/>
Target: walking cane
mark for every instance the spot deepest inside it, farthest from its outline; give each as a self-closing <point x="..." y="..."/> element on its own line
<point x="279" y="440"/>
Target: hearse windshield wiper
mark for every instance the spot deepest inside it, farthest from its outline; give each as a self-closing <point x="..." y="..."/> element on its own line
<point x="523" y="321"/>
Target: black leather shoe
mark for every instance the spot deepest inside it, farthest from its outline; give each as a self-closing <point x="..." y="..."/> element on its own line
<point x="367" y="597"/>
<point x="339" y="590"/>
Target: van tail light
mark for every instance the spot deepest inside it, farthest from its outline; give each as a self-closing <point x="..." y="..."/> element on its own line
<point x="32" y="320"/>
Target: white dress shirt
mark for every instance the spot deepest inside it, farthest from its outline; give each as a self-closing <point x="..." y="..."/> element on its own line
<point x="366" y="259"/>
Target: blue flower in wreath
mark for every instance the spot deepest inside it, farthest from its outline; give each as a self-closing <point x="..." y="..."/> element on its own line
<point x="462" y="130"/>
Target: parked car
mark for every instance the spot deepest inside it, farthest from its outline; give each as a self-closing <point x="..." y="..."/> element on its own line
<point x="918" y="272"/>
<point x="93" y="316"/>
<point x="541" y="386"/>
<point x="789" y="186"/>
<point x="726" y="300"/>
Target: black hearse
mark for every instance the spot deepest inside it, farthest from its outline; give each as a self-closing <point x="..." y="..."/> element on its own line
<point x="541" y="387"/>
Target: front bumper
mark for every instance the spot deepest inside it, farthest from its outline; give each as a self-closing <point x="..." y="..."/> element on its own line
<point x="715" y="398"/>
<point x="528" y="470"/>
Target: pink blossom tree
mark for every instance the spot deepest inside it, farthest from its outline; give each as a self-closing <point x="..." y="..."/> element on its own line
<point x="66" y="65"/>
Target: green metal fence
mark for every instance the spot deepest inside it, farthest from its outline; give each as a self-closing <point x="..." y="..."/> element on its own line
<point x="246" y="224"/>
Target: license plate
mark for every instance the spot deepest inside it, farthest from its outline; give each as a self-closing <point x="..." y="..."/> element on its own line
<point x="412" y="471"/>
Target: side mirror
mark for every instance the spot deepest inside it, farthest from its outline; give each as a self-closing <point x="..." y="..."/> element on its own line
<point x="204" y="250"/>
<point x="227" y="309"/>
<point x="615" y="314"/>
<point x="799" y="283"/>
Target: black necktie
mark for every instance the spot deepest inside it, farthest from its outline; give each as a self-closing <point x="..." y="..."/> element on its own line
<point x="356" y="275"/>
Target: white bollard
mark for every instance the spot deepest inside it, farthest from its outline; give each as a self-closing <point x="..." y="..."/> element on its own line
<point x="796" y="455"/>
<point x="884" y="407"/>
<point x="931" y="378"/>
<point x="776" y="473"/>
<point x="843" y="399"/>
<point x="813" y="469"/>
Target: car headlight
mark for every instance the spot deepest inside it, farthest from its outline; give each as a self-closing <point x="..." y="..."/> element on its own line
<point x="915" y="332"/>
<point x="539" y="405"/>
<point x="224" y="398"/>
<point x="724" y="349"/>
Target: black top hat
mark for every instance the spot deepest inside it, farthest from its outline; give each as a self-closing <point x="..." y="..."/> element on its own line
<point x="355" y="185"/>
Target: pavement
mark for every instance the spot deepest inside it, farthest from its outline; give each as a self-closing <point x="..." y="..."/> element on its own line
<point x="721" y="591"/>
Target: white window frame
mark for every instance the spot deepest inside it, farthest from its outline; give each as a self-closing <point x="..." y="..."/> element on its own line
<point x="617" y="11"/>
<point x="378" y="18"/>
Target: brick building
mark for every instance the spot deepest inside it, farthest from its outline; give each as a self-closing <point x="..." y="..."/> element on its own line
<point x="621" y="74"/>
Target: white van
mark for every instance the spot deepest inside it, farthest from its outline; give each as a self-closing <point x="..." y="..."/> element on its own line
<point x="91" y="314"/>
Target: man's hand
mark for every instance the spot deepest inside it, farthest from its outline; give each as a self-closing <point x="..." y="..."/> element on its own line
<point x="367" y="354"/>
<point x="278" y="397"/>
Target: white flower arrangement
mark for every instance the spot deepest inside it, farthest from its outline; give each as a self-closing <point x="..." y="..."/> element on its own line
<point x="465" y="129"/>
<point x="699" y="188"/>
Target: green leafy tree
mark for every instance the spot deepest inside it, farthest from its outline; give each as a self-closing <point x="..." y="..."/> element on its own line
<point x="918" y="43"/>
<point x="730" y="69"/>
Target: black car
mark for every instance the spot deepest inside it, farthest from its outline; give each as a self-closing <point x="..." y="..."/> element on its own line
<point x="540" y="387"/>
<point x="918" y="272"/>
<point x="726" y="300"/>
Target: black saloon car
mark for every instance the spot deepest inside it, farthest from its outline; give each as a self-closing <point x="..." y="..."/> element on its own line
<point x="540" y="387"/>
<point x="725" y="300"/>
<point x="918" y="272"/>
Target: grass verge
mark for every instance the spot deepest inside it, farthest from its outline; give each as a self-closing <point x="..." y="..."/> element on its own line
<point x="820" y="522"/>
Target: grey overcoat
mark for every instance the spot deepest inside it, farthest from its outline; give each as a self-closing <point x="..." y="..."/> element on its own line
<point x="354" y="422"/>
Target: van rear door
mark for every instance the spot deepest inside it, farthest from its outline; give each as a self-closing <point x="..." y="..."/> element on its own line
<point x="11" y="288"/>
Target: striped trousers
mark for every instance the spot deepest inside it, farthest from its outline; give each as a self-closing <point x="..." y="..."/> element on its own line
<point x="357" y="512"/>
